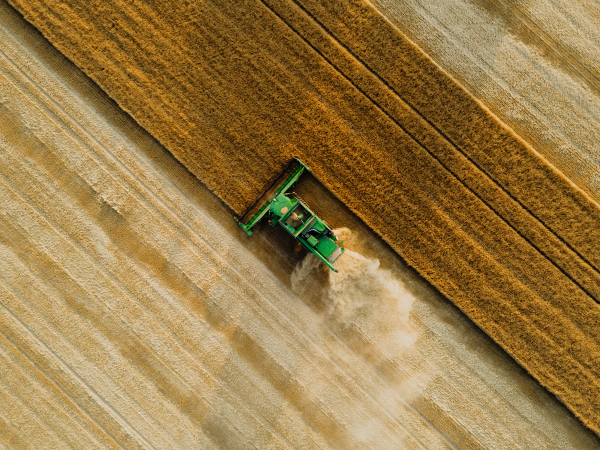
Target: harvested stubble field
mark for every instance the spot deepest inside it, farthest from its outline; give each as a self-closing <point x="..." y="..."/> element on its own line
<point x="233" y="89"/>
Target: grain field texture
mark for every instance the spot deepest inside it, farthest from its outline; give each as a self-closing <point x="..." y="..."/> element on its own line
<point x="135" y="313"/>
<point x="233" y="89"/>
<point x="534" y="64"/>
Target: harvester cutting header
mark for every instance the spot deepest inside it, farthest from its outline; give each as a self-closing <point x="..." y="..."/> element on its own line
<point x="288" y="210"/>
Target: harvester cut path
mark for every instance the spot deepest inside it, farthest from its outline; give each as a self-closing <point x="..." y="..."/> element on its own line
<point x="291" y="212"/>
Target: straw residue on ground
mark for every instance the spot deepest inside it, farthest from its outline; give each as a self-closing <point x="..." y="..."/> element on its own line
<point x="233" y="89"/>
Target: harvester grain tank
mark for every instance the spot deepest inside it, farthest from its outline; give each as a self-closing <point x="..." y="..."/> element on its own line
<point x="289" y="211"/>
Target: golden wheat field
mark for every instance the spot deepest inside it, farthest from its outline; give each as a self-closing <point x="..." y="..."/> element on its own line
<point x="464" y="314"/>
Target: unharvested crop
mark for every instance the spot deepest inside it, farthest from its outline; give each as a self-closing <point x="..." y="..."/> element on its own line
<point x="234" y="88"/>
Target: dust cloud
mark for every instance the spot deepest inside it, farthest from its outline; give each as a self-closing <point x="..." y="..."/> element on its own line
<point x="362" y="298"/>
<point x="369" y="307"/>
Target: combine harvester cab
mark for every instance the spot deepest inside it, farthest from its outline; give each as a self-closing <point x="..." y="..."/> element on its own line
<point x="292" y="213"/>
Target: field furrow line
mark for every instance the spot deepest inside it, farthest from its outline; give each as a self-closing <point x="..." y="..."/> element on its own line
<point x="561" y="270"/>
<point x="427" y="107"/>
<point x="76" y="267"/>
<point x="30" y="231"/>
<point x="16" y="410"/>
<point x="47" y="402"/>
<point x="118" y="264"/>
<point x="138" y="384"/>
<point x="99" y="338"/>
<point x="64" y="326"/>
<point x="64" y="377"/>
<point x="115" y="308"/>
<point x="564" y="256"/>
<point x="196" y="259"/>
<point x="56" y="402"/>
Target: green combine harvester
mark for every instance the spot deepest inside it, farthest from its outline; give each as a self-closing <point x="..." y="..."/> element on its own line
<point x="289" y="211"/>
